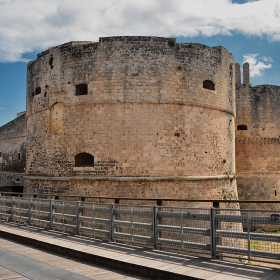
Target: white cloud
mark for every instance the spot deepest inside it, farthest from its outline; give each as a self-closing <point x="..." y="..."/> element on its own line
<point x="267" y="59"/>
<point x="257" y="64"/>
<point x="32" y="25"/>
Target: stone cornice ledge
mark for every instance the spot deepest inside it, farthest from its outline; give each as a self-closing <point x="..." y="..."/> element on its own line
<point x="136" y="178"/>
<point x="11" y="173"/>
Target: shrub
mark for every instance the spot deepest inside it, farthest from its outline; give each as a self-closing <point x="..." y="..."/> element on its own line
<point x="172" y="42"/>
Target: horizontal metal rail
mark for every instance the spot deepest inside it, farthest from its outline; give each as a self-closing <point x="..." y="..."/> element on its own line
<point x="135" y="236"/>
<point x="253" y="236"/>
<point x="238" y="251"/>
<point x="256" y="219"/>
<point x="205" y="247"/>
<point x="190" y="216"/>
<point x="135" y="224"/>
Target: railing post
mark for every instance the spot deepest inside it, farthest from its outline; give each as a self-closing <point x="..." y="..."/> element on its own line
<point x="1" y="206"/>
<point x="78" y="214"/>
<point x="29" y="210"/>
<point x="182" y="228"/>
<point x="155" y="226"/>
<point x="131" y="224"/>
<point x="51" y="212"/>
<point x="213" y="232"/>
<point x="248" y="236"/>
<point x="112" y="218"/>
<point x="12" y="207"/>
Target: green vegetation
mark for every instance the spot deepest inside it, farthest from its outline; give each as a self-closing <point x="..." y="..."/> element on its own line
<point x="171" y="42"/>
<point x="234" y="176"/>
<point x="180" y="67"/>
<point x="51" y="61"/>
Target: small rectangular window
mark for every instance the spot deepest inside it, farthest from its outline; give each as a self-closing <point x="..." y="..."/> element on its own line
<point x="19" y="156"/>
<point x="0" y="154"/>
<point x="242" y="127"/>
<point x="82" y="89"/>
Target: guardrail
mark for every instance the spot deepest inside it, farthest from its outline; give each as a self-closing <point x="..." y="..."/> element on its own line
<point x="243" y="235"/>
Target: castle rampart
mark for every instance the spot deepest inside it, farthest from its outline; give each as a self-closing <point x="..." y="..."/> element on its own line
<point x="258" y="142"/>
<point x="12" y="154"/>
<point x="132" y="116"/>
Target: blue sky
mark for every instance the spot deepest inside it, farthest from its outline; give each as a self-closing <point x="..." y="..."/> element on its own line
<point x="250" y="30"/>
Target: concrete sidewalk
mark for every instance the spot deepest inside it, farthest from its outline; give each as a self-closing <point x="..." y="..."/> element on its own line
<point x="147" y="263"/>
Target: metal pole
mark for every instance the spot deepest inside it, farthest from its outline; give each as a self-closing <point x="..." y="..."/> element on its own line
<point x="12" y="207"/>
<point x="51" y="212"/>
<point x="78" y="214"/>
<point x="155" y="227"/>
<point x="182" y="229"/>
<point x="20" y="208"/>
<point x="131" y="224"/>
<point x="29" y="210"/>
<point x="93" y="222"/>
<point x="112" y="216"/>
<point x="213" y="232"/>
<point x="248" y="236"/>
<point x="63" y="210"/>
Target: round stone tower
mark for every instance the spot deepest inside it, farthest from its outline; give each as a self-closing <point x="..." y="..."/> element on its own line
<point x="132" y="117"/>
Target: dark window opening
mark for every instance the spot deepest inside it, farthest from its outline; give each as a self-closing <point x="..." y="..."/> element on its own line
<point x="82" y="89"/>
<point x="275" y="192"/>
<point x="17" y="189"/>
<point x="37" y="90"/>
<point x="216" y="204"/>
<point x="84" y="160"/>
<point x="19" y="156"/>
<point x="0" y="154"/>
<point x="242" y="127"/>
<point x="208" y="85"/>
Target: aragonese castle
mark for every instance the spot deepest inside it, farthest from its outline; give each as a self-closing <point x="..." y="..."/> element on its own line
<point x="143" y="117"/>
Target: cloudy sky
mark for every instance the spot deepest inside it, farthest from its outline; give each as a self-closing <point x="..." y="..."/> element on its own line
<point x="248" y="29"/>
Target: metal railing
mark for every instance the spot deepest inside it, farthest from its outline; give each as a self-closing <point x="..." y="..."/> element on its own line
<point x="243" y="235"/>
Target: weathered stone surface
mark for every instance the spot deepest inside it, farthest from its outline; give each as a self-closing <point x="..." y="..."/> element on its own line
<point x="12" y="153"/>
<point x="246" y="73"/>
<point x="258" y="147"/>
<point x="146" y="114"/>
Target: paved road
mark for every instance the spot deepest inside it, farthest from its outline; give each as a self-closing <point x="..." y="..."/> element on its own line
<point x="22" y="262"/>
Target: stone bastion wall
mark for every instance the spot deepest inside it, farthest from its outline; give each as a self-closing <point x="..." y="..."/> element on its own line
<point x="258" y="144"/>
<point x="12" y="154"/>
<point x="132" y="117"/>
